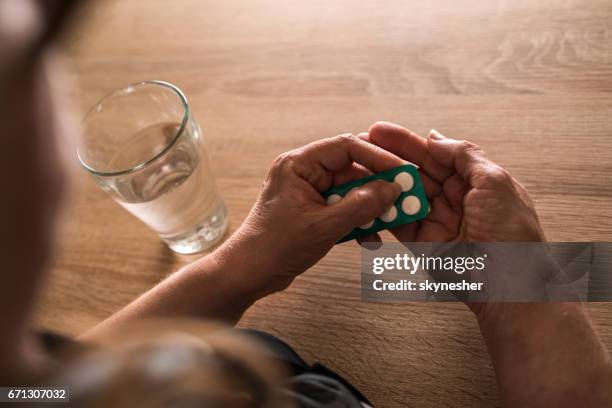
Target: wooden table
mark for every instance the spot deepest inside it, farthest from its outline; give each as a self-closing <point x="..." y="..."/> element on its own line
<point x="529" y="80"/>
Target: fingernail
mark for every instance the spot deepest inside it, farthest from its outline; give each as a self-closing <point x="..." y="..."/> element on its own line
<point x="435" y="135"/>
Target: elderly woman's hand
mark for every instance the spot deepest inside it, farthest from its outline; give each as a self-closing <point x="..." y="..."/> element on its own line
<point x="472" y="198"/>
<point x="290" y="227"/>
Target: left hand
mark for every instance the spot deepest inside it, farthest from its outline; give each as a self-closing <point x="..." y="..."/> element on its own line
<point x="290" y="227"/>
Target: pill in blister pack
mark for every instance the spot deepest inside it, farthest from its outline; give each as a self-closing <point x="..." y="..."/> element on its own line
<point x="411" y="205"/>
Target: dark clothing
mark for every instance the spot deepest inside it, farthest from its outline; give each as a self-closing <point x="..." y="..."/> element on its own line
<point x="312" y="386"/>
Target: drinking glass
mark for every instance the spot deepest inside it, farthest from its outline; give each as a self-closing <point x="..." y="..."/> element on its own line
<point x="142" y="145"/>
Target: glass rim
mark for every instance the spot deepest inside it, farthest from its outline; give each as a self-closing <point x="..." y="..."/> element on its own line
<point x="162" y="152"/>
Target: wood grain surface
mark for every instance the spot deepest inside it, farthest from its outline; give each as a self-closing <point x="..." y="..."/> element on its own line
<point x="528" y="80"/>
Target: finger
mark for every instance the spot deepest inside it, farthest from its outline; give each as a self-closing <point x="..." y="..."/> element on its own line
<point x="362" y="205"/>
<point x="370" y="242"/>
<point x="337" y="153"/>
<point x="409" y="146"/>
<point x="431" y="186"/>
<point x="354" y="172"/>
<point x="454" y="190"/>
<point x="442" y="213"/>
<point x="461" y="157"/>
<point x="357" y="171"/>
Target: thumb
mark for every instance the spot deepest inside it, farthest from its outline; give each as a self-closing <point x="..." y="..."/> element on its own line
<point x="459" y="155"/>
<point x="362" y="205"/>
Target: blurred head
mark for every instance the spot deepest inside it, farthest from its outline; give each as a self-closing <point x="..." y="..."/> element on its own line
<point x="31" y="175"/>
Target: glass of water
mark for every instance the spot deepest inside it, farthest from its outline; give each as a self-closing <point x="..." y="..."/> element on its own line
<point x="142" y="145"/>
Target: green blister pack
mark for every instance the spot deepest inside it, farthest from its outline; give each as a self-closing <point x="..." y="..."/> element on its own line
<point x="412" y="204"/>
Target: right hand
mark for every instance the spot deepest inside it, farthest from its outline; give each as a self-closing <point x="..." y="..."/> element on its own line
<point x="472" y="198"/>
<point x="291" y="227"/>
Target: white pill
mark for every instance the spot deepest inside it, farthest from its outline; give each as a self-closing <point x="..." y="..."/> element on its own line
<point x="367" y="226"/>
<point x="405" y="180"/>
<point x="390" y="215"/>
<point x="411" y="205"/>
<point x="333" y="199"/>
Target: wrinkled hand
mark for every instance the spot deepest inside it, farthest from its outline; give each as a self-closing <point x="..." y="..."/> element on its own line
<point x="475" y="200"/>
<point x="472" y="198"/>
<point x="290" y="227"/>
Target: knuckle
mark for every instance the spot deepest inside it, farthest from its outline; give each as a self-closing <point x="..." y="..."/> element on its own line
<point x="281" y="159"/>
<point x="284" y="160"/>
<point x="467" y="151"/>
<point x="468" y="147"/>
<point x="346" y="138"/>
<point x="499" y="176"/>
<point x="368" y="200"/>
<point x="283" y="163"/>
